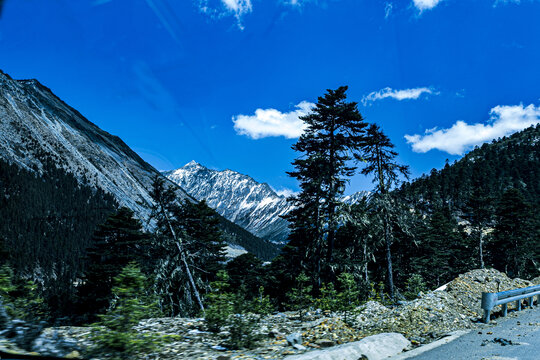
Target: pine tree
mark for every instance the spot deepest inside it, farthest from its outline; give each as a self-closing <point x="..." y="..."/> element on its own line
<point x="379" y="156"/>
<point x="334" y="130"/>
<point x="478" y="211"/>
<point x="443" y="252"/>
<point x="515" y="237"/>
<point x="204" y="240"/>
<point x="300" y="297"/>
<point x="172" y="241"/>
<point x="114" y="334"/>
<point x="115" y="243"/>
<point x="355" y="245"/>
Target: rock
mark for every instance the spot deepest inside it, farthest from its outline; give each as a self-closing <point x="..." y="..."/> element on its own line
<point x="22" y="333"/>
<point x="73" y="355"/>
<point x="374" y="347"/>
<point x="294" y="338"/>
<point x="50" y="343"/>
<point x="275" y="334"/>
<point x="219" y="348"/>
<point x="299" y="347"/>
<point x="325" y="343"/>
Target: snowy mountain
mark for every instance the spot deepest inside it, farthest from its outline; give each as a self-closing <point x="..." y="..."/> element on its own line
<point x="254" y="206"/>
<point x="240" y="199"/>
<point x="36" y="126"/>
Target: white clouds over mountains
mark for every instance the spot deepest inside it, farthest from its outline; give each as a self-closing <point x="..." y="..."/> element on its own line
<point x="272" y="122"/>
<point x="456" y="140"/>
<point x="405" y="94"/>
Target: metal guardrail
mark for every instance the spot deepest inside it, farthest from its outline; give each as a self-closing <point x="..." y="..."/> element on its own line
<point x="490" y="300"/>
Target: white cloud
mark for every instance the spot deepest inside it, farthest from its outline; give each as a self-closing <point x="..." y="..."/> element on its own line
<point x="504" y="120"/>
<point x="272" y="122"/>
<point x="404" y="94"/>
<point x="426" y="4"/>
<point x="388" y="7"/>
<point x="237" y="8"/>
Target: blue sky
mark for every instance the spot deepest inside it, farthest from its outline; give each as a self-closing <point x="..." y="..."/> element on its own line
<point x="223" y="82"/>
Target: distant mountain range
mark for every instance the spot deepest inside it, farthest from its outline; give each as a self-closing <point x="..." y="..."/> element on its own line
<point x="254" y="206"/>
<point x="36" y="125"/>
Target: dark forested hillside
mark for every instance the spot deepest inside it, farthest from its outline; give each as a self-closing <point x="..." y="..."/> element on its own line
<point x="510" y="162"/>
<point x="48" y="218"/>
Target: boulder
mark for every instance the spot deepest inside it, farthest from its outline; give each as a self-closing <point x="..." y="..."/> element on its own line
<point x="376" y="347"/>
<point x="294" y="338"/>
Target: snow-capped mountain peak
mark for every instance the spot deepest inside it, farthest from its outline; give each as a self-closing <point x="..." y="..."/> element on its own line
<point x="254" y="206"/>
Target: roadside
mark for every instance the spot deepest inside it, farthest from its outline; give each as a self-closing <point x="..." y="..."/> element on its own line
<point x="516" y="337"/>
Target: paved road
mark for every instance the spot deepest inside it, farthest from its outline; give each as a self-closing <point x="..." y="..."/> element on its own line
<point x="521" y="328"/>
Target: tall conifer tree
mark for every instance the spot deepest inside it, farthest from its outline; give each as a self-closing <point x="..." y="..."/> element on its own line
<point x="335" y="131"/>
<point x="115" y="243"/>
<point x="379" y="156"/>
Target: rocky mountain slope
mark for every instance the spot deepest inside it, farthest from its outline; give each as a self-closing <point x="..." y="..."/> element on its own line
<point x="239" y="198"/>
<point x="36" y="126"/>
<point x="35" y="123"/>
<point x="254" y="206"/>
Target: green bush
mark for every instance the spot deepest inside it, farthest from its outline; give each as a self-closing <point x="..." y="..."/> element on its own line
<point x="328" y="300"/>
<point x="232" y="311"/>
<point x="414" y="285"/>
<point x="219" y="303"/>
<point x="261" y="304"/>
<point x="20" y="297"/>
<point x="299" y="298"/>
<point x="113" y="336"/>
<point x="242" y="324"/>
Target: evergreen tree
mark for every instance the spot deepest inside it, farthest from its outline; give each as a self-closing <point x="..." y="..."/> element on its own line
<point x="115" y="243"/>
<point x="379" y="156"/>
<point x="171" y="239"/>
<point x="515" y="239"/>
<point x="334" y="130"/>
<point x="246" y="273"/>
<point x="443" y="253"/>
<point x="300" y="297"/>
<point x="114" y="336"/>
<point x="479" y="212"/>
<point x="204" y="240"/>
<point x="355" y="244"/>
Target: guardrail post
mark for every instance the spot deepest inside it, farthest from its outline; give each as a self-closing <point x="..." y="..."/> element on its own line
<point x="531" y="301"/>
<point x="488" y="302"/>
<point x="505" y="309"/>
<point x="518" y="305"/>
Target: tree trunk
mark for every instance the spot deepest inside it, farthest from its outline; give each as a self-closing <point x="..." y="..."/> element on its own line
<point x="388" y="256"/>
<point x="366" y="276"/>
<point x="481" y="249"/>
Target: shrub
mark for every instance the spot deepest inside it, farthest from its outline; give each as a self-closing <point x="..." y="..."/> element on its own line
<point x="113" y="336"/>
<point x="414" y="285"/>
<point x="299" y="297"/>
